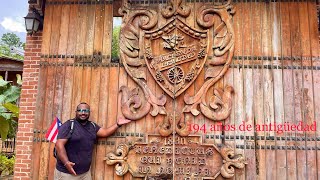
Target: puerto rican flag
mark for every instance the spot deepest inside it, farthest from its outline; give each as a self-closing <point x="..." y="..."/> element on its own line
<point x="52" y="133"/>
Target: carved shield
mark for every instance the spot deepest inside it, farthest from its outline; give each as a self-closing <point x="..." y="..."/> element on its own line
<point x="175" y="54"/>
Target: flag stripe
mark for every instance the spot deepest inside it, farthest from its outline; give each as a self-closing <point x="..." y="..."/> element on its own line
<point x="53" y="124"/>
<point x="52" y="132"/>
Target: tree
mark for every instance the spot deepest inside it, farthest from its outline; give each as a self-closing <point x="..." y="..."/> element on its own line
<point x="115" y="43"/>
<point x="9" y="40"/>
<point x="9" y="111"/>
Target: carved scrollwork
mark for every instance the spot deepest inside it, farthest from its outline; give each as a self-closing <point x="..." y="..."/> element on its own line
<point x="129" y="36"/>
<point x="182" y="128"/>
<point x="136" y="104"/>
<point x="133" y="105"/>
<point x="166" y="127"/>
<point x="120" y="159"/>
<point x="223" y="32"/>
<point x="220" y="104"/>
<point x="175" y="123"/>
<point x="230" y="162"/>
<point x="175" y="7"/>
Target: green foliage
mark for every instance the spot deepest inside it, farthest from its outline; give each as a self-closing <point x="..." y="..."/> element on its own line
<point x="6" y="164"/>
<point x="115" y="43"/>
<point x="10" y="40"/>
<point x="9" y="111"/>
<point x="4" y="50"/>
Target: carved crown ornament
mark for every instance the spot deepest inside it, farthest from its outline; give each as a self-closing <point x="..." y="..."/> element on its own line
<point x="175" y="53"/>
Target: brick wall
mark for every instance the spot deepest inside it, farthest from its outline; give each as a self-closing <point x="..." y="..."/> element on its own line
<point x="27" y="107"/>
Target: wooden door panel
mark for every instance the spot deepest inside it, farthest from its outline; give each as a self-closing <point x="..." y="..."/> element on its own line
<point x="273" y="72"/>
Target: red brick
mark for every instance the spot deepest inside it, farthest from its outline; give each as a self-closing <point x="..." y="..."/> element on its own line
<point x="23" y="157"/>
<point x="28" y="106"/>
<point x="36" y="50"/>
<point x="23" y="103"/>
<point x="33" y="83"/>
<point x="26" y="112"/>
<point x="30" y="54"/>
<point x="29" y="125"/>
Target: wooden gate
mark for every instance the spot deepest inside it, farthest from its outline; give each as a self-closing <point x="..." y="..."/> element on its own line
<point x="192" y="74"/>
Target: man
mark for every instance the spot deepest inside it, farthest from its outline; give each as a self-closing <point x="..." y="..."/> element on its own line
<point x="74" y="150"/>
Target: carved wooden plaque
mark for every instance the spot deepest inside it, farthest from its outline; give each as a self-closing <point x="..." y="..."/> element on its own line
<point x="175" y="53"/>
<point x="175" y="158"/>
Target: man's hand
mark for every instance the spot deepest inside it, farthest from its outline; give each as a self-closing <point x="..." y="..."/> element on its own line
<point x="105" y="132"/>
<point x="69" y="165"/>
<point x="121" y="121"/>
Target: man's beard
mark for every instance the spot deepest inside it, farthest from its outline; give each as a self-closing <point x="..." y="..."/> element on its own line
<point x="82" y="120"/>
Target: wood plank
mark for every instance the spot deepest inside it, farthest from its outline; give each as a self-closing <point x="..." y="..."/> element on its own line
<point x="107" y="31"/>
<point x="61" y="48"/>
<point x="314" y="165"/>
<point x="39" y="115"/>
<point x="99" y="172"/>
<point x="278" y="91"/>
<point x="297" y="85"/>
<point x="112" y="114"/>
<point x="268" y="89"/>
<point x="112" y="97"/>
<point x="249" y="154"/>
<point x="88" y="50"/>
<point x="99" y="28"/>
<point x="48" y="117"/>
<point x="258" y="9"/>
<point x="82" y="29"/>
<point x="102" y="91"/>
<point x="50" y="102"/>
<point x="68" y="109"/>
<point x="73" y="29"/>
<point x="239" y="83"/>
<point x="123" y="81"/>
<point x="90" y="28"/>
<point x="79" y="50"/>
<point x="86" y="85"/>
<point x="288" y="86"/>
<point x="95" y="111"/>
<point x="307" y="91"/>
<point x="116" y="110"/>
<point x="36" y="149"/>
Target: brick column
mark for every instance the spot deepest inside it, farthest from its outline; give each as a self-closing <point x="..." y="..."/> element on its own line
<point x="22" y="169"/>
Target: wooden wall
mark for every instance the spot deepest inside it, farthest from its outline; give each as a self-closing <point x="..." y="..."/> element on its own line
<point x="275" y="73"/>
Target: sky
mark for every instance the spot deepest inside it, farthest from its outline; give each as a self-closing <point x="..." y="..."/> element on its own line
<point x="11" y="17"/>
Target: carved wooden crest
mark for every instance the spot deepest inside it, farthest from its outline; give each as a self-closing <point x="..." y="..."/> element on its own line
<point x="180" y="57"/>
<point x="175" y="52"/>
<point x="188" y="159"/>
